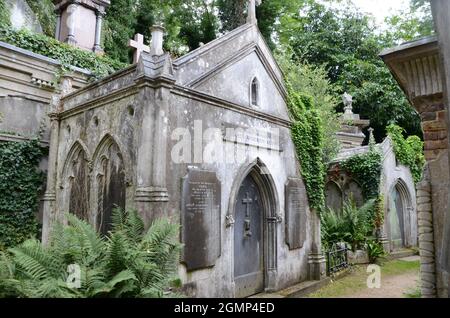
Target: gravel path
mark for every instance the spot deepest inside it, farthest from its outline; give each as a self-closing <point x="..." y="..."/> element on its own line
<point x="391" y="287"/>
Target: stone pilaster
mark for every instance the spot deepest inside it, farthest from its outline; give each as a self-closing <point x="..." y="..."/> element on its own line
<point x="58" y="25"/>
<point x="49" y="200"/>
<point x="71" y="23"/>
<point x="151" y="195"/>
<point x="316" y="259"/>
<point x="98" y="32"/>
<point x="426" y="238"/>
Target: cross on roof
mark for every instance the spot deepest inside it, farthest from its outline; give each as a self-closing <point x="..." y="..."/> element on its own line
<point x="138" y="45"/>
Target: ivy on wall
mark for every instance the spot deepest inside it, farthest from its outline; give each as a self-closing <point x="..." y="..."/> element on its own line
<point x="67" y="55"/>
<point x="44" y="11"/>
<point x="409" y="151"/>
<point x="366" y="169"/>
<point x="20" y="185"/>
<point x="308" y="137"/>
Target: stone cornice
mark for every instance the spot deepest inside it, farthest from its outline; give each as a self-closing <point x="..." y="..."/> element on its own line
<point x="417" y="67"/>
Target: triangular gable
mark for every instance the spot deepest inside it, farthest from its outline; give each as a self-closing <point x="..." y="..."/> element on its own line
<point x="198" y="66"/>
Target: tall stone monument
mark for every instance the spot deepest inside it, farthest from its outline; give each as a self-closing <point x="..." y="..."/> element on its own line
<point x="79" y="23"/>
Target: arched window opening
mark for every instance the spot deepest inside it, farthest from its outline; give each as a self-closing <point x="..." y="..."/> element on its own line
<point x="255" y="92"/>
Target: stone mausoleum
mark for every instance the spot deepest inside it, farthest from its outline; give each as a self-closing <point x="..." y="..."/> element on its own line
<point x="397" y="187"/>
<point x="203" y="139"/>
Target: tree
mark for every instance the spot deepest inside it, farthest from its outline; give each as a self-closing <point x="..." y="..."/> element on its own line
<point x="120" y="24"/>
<point x="413" y="22"/>
<point x="233" y="13"/>
<point x="187" y="23"/>
<point x="44" y="11"/>
<point x="346" y="43"/>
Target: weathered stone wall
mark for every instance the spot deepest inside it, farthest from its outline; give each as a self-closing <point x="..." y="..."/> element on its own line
<point x="434" y="124"/>
<point x="426" y="239"/>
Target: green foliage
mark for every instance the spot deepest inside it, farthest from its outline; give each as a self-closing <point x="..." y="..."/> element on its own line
<point x="233" y="13"/>
<point x="411" y="23"/>
<point x="409" y="151"/>
<point x="378" y="219"/>
<point x="4" y="13"/>
<point x="129" y="263"/>
<point x="374" y="250"/>
<point x="44" y="10"/>
<point x="366" y="169"/>
<point x="313" y="82"/>
<point x="307" y="135"/>
<point x="64" y="53"/>
<point x="353" y="225"/>
<point x="120" y="22"/>
<point x="20" y="185"/>
<point x="187" y="22"/>
<point x="345" y="42"/>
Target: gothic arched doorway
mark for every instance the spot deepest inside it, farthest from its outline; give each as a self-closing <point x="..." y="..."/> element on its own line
<point x="254" y="233"/>
<point x="399" y="218"/>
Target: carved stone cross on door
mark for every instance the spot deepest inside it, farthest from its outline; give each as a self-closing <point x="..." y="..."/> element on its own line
<point x="138" y="45"/>
<point x="247" y="201"/>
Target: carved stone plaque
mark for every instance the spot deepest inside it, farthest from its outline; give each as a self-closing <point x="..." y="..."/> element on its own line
<point x="295" y="206"/>
<point x="200" y="215"/>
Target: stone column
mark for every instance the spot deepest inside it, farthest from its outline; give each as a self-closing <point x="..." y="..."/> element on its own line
<point x="71" y="20"/>
<point x="426" y="237"/>
<point x="49" y="210"/>
<point x="58" y="25"/>
<point x="98" y="31"/>
<point x="316" y="259"/>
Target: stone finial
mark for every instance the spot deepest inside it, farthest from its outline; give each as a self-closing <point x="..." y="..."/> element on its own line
<point x="156" y="47"/>
<point x="138" y="45"/>
<point x="251" y="11"/>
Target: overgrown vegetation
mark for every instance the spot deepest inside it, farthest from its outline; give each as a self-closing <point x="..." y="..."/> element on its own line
<point x="307" y="135"/>
<point x="375" y="250"/>
<point x="366" y="169"/>
<point x="129" y="263"/>
<point x="44" y="11"/>
<point x="4" y="13"/>
<point x="67" y="55"/>
<point x="353" y="225"/>
<point x="409" y="151"/>
<point x="20" y="185"/>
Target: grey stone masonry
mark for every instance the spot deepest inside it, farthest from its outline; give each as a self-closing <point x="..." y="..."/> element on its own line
<point x="426" y="241"/>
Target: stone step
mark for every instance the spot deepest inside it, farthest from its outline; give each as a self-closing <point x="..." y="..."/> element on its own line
<point x="402" y="253"/>
<point x="304" y="288"/>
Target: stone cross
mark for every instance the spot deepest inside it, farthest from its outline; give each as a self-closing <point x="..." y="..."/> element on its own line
<point x="251" y="12"/>
<point x="138" y="45"/>
<point x="247" y="201"/>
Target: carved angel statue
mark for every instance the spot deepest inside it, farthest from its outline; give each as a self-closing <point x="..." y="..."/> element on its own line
<point x="348" y="103"/>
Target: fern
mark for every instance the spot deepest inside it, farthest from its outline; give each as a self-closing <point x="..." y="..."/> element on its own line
<point x="129" y="262"/>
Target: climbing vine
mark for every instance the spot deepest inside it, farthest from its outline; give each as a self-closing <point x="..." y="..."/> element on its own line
<point x="20" y="185"/>
<point x="409" y="151"/>
<point x="67" y="55"/>
<point x="308" y="138"/>
<point x="366" y="169"/>
<point x="44" y="11"/>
